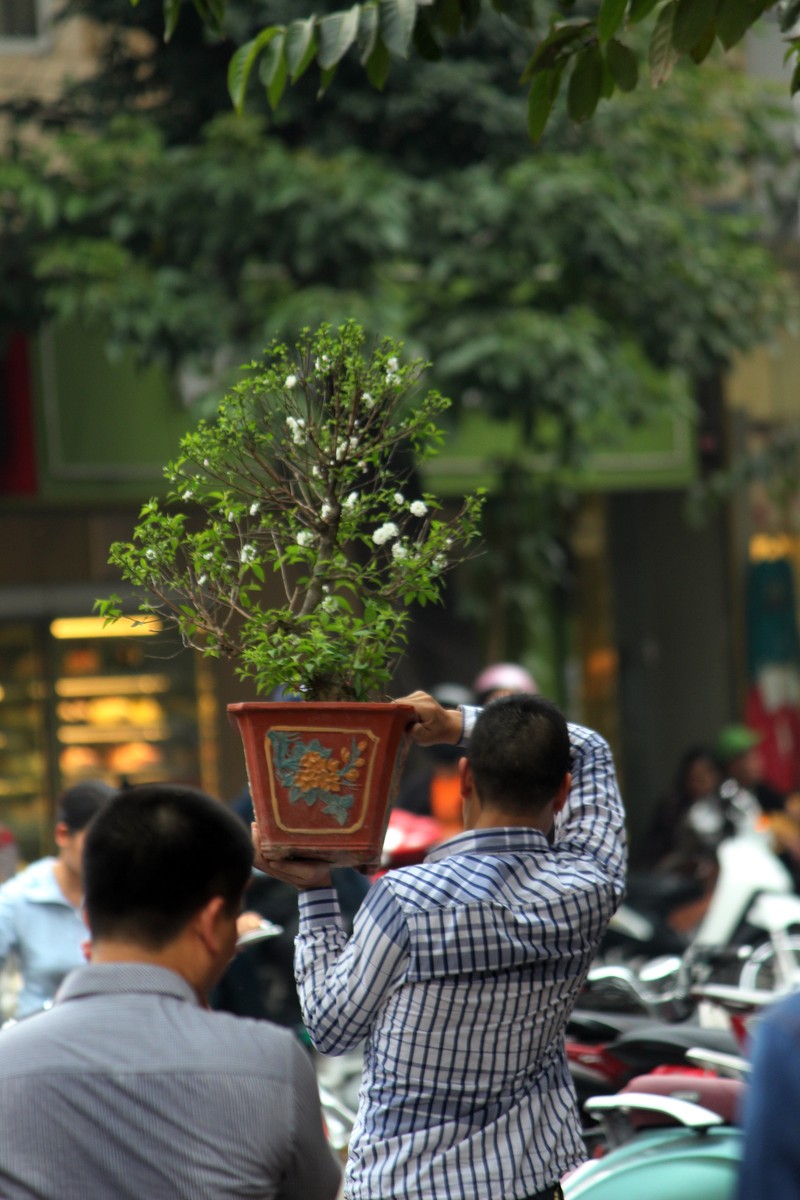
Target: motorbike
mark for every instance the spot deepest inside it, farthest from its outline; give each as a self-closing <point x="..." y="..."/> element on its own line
<point x="753" y="902"/>
<point x="674" y="1134"/>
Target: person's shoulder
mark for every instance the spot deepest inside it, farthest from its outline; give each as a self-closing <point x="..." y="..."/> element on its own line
<point x="583" y="738"/>
<point x="33" y="876"/>
<point x="785" y="1015"/>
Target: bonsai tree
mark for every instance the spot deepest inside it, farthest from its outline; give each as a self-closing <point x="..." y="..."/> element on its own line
<point x="301" y="486"/>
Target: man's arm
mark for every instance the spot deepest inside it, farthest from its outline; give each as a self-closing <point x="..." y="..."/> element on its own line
<point x="313" y="1173"/>
<point x="343" y="982"/>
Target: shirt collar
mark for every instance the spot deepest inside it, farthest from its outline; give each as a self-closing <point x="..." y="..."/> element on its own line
<point x="42" y="887"/>
<point x="505" y="840"/>
<point x="108" y="979"/>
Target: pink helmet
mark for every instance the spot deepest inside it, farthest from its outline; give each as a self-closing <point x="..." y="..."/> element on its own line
<point x="503" y="677"/>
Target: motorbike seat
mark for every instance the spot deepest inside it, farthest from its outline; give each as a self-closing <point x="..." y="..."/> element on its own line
<point x="655" y="1043"/>
<point x="722" y="1096"/>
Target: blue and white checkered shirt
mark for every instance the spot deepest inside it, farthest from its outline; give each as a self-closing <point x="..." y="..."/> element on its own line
<point x="460" y="975"/>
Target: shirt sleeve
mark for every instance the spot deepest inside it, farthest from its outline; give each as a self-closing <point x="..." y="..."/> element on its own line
<point x="342" y="983"/>
<point x="313" y="1171"/>
<point x="592" y="822"/>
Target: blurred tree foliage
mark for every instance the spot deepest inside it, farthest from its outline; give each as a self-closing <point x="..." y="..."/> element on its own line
<point x="588" y="282"/>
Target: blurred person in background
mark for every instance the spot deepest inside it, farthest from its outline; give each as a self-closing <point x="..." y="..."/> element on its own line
<point x="503" y="679"/>
<point x="40" y="908"/>
<point x="698" y="775"/>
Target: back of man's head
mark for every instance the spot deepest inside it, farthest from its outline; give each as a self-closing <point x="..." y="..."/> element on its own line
<point x="519" y="753"/>
<point x="154" y="856"/>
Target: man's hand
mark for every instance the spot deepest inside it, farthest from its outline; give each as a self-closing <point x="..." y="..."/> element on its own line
<point x="302" y="873"/>
<point x="434" y="725"/>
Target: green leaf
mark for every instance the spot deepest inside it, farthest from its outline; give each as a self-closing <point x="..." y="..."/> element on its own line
<point x="172" y="10"/>
<point x="554" y="46"/>
<point x="377" y="65"/>
<point x="367" y="31"/>
<point x="623" y="65"/>
<point x="640" y="9"/>
<point x="704" y="45"/>
<point x="795" y="84"/>
<point x="242" y="63"/>
<point x="585" y="83"/>
<point x="610" y="18"/>
<point x="789" y="15"/>
<point x="300" y="46"/>
<point x="690" y="21"/>
<point x="336" y="35"/>
<point x="326" y="79"/>
<point x="541" y="99"/>
<point x="662" y="53"/>
<point x="273" y="71"/>
<point x="397" y="19"/>
<point x="734" y="18"/>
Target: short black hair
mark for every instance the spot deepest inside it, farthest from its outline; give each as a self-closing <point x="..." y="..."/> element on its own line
<point x="519" y="753"/>
<point x="77" y="805"/>
<point x="155" y="855"/>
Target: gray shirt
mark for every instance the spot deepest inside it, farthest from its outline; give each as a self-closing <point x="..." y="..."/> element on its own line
<point x="127" y="1089"/>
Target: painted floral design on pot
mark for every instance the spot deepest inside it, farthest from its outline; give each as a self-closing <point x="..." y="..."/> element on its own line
<point x="314" y="774"/>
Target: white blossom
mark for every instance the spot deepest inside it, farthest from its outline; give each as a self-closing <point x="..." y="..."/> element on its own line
<point x="297" y="429"/>
<point x="315" y="472"/>
<point x="418" y="508"/>
<point x="399" y="550"/>
<point x="392" y="367"/>
<point x="291" y="382"/>
<point x="368" y="400"/>
<point x="438" y="564"/>
<point x="322" y="361"/>
<point x="150" y="553"/>
<point x="328" y="511"/>
<point x="399" y="498"/>
<point x="231" y="515"/>
<point x="392" y="363"/>
<point x="351" y="500"/>
<point x="385" y="533"/>
<point x="206" y="463"/>
<point x="329" y="604"/>
<point x="305" y="537"/>
<point x="187" y="495"/>
<point x="248" y="553"/>
<point x="341" y="450"/>
<point x="209" y="554"/>
<point x="254" y="507"/>
<point x="201" y="579"/>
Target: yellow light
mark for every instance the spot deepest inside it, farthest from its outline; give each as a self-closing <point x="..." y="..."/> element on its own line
<point x="95" y="627"/>
<point x="87" y="735"/>
<point x="112" y="685"/>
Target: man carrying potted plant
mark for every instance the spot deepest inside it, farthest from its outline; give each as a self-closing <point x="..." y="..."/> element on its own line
<point x="462" y="971"/>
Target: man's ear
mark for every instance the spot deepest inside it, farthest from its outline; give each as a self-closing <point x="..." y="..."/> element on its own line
<point x="61" y="834"/>
<point x="208" y="924"/>
<point x="560" y="798"/>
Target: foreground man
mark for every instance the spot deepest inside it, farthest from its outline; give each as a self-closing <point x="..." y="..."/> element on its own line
<point x="461" y="972"/>
<point x="129" y="1088"/>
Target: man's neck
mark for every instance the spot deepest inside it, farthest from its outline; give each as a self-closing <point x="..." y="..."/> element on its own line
<point x="496" y="818"/>
<point x="172" y="957"/>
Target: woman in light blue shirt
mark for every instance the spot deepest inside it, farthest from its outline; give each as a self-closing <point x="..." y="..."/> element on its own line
<point x="40" y="908"/>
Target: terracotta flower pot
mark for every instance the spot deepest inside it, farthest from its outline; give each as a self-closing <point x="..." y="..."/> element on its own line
<point x="323" y="776"/>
